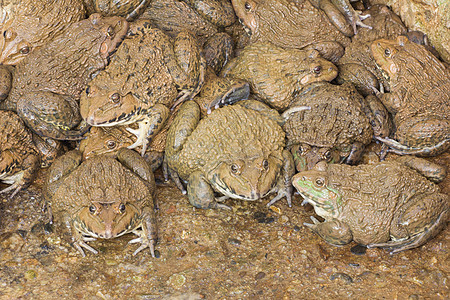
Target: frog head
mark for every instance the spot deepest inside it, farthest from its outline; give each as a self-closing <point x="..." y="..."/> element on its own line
<point x="107" y="220"/>
<point x="246" y="179"/>
<point x="384" y="52"/>
<point x="114" y="30"/>
<point x="105" y="140"/>
<point x="245" y="11"/>
<point x="307" y="156"/>
<point x="315" y="188"/>
<point x="317" y="69"/>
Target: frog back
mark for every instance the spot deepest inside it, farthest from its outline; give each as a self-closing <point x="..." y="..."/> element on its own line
<point x="228" y="133"/>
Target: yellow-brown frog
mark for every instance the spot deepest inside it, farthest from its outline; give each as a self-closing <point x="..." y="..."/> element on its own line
<point x="103" y="197"/>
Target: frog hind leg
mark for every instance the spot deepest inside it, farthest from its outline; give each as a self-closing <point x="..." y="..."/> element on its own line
<point x="201" y="194"/>
<point x="51" y="115"/>
<point x="138" y="10"/>
<point x="412" y="233"/>
<point x="354" y="17"/>
<point x="355" y="153"/>
<point x="430" y="170"/>
<point x="151" y="124"/>
<point x="148" y="234"/>
<point x="284" y="184"/>
<point x="334" y="231"/>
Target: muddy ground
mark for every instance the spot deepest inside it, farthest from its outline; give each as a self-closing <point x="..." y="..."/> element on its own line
<point x="251" y="252"/>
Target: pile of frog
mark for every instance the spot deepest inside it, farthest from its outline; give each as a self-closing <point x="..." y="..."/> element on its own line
<point x="230" y="99"/>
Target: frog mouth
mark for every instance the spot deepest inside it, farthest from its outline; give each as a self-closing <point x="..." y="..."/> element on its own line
<point x="310" y="199"/>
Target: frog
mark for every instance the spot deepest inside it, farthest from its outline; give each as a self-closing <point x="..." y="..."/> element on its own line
<point x="418" y="98"/>
<point x="19" y="158"/>
<point x="236" y="151"/>
<point x="5" y="82"/>
<point x="129" y="9"/>
<point x="276" y="74"/>
<point x="102" y="198"/>
<point x="148" y="75"/>
<point x="392" y="204"/>
<point x="358" y="65"/>
<point x="205" y="19"/>
<point x="47" y="84"/>
<point x="34" y="24"/>
<point x="291" y="24"/>
<point x="336" y="126"/>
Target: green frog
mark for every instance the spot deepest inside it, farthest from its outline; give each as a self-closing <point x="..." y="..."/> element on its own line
<point x="19" y="158"/>
<point x="292" y="24"/>
<point x="336" y="125"/>
<point x="34" y="24"/>
<point x="390" y="204"/>
<point x="148" y="74"/>
<point x="103" y="197"/>
<point x="236" y="150"/>
<point x="419" y="97"/>
<point x="47" y="84"/>
<point x="275" y="74"/>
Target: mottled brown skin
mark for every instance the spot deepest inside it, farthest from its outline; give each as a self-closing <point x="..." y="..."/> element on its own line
<point x="358" y="65"/>
<point x="203" y="18"/>
<point x="130" y="9"/>
<point x="291" y="24"/>
<point x="49" y="149"/>
<point x="34" y="24"/>
<point x="5" y="82"/>
<point x="103" y="197"/>
<point x="19" y="158"/>
<point x="275" y="74"/>
<point x="419" y="97"/>
<point x="336" y="128"/>
<point x="47" y="84"/>
<point x="235" y="151"/>
<point x="148" y="74"/>
<point x="387" y="204"/>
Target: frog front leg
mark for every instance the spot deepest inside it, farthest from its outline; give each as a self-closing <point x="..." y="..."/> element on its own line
<point x="200" y="193"/>
<point x="150" y="124"/>
<point x="148" y="232"/>
<point x="51" y="115"/>
<point x="284" y="185"/>
<point x="333" y="231"/>
<point x="77" y="238"/>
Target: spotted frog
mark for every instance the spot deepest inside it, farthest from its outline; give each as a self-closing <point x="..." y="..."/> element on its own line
<point x="275" y="74"/>
<point x="419" y="97"/>
<point x="148" y="74"/>
<point x="236" y="151"/>
<point x="292" y="24"/>
<point x="34" y="24"/>
<point x="47" y="84"/>
<point x="390" y="204"/>
<point x="103" y="197"/>
<point x="333" y="123"/>
<point x="19" y="158"/>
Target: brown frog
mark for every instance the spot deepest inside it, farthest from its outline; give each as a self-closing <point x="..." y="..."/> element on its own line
<point x="236" y="151"/>
<point x="390" y="204"/>
<point x="205" y="19"/>
<point x="419" y="97"/>
<point x="358" y="65"/>
<point x="19" y="158"/>
<point x="291" y="24"/>
<point x="34" y="24"/>
<point x="130" y="9"/>
<point x="103" y="197"/>
<point x="275" y="74"/>
<point x="47" y="84"/>
<point x="333" y="123"/>
<point x="148" y="74"/>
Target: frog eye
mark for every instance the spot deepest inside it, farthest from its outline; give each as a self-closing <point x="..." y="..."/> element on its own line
<point x="234" y="168"/>
<point x="92" y="209"/>
<point x="387" y="52"/>
<point x="319" y="182"/>
<point x="265" y="164"/>
<point x="122" y="207"/>
<point x="247" y="6"/>
<point x="25" y="50"/>
<point x="115" y="98"/>
<point x="111" y="144"/>
<point x="327" y="155"/>
<point x="317" y="69"/>
<point x="88" y="90"/>
<point x="110" y="31"/>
